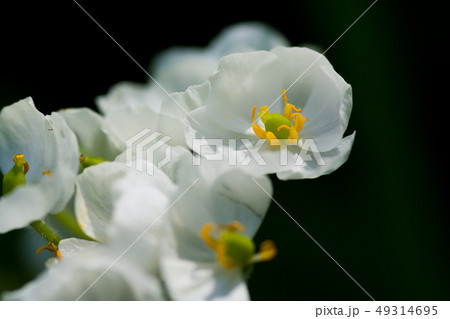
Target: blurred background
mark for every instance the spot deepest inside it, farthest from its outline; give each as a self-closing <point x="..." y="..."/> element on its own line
<point x="383" y="216"/>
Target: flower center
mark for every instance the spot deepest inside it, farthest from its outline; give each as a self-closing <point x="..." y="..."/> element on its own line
<point x="278" y="126"/>
<point x="234" y="249"/>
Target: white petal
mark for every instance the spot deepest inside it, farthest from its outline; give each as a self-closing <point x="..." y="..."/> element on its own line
<point x="178" y="68"/>
<point x="94" y="197"/>
<point x="312" y="167"/>
<point x="24" y="205"/>
<point x="140" y="200"/>
<point x="175" y="109"/>
<point x="246" y="36"/>
<point x="129" y="95"/>
<point x="129" y="108"/>
<point x="140" y="208"/>
<point x="70" y="247"/>
<point x="187" y="280"/>
<point x="88" y="127"/>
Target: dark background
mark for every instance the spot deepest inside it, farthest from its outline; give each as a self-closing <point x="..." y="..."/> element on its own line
<point x="383" y="216"/>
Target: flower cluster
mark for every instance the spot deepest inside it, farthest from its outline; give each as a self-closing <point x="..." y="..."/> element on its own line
<point x="246" y="106"/>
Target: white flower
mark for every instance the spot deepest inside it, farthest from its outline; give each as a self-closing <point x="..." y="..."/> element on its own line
<point x="128" y="107"/>
<point x="287" y="94"/>
<point x="123" y="265"/>
<point x="49" y="148"/>
<point x="163" y="220"/>
<point x="90" y="272"/>
<point x="221" y="201"/>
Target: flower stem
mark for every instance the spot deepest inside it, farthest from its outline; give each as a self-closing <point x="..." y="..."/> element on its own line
<point x="45" y="232"/>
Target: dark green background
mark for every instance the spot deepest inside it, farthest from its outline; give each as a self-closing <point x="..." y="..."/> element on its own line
<point x="382" y="216"/>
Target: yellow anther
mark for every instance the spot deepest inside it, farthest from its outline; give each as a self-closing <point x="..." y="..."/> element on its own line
<point x="295" y="115"/>
<point x="20" y="159"/>
<point x="233" y="227"/>
<point x="82" y="158"/>
<point x="267" y="251"/>
<point x="299" y="121"/>
<point x="47" y="172"/>
<point x="51" y="247"/>
<point x="263" y="113"/>
<point x="253" y="114"/>
<point x="205" y="234"/>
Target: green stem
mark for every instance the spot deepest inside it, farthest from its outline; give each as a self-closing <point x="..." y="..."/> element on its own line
<point x="45" y="232"/>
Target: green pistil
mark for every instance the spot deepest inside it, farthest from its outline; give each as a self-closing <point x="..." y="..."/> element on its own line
<point x="239" y="248"/>
<point x="16" y="175"/>
<point x="273" y="121"/>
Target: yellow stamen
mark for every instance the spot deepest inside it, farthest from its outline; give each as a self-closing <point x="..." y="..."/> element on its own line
<point x="287" y="113"/>
<point x="253" y="114"/>
<point x="47" y="172"/>
<point x="233" y="227"/>
<point x="272" y="139"/>
<point x="205" y="234"/>
<point x="259" y="131"/>
<point x="298" y="121"/>
<point x="293" y="135"/>
<point x="274" y="123"/>
<point x="263" y="113"/>
<point x="283" y="126"/>
<point x="51" y="247"/>
<point x="267" y="251"/>
<point x="283" y="92"/>
<point x="26" y="166"/>
<point x="222" y="257"/>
